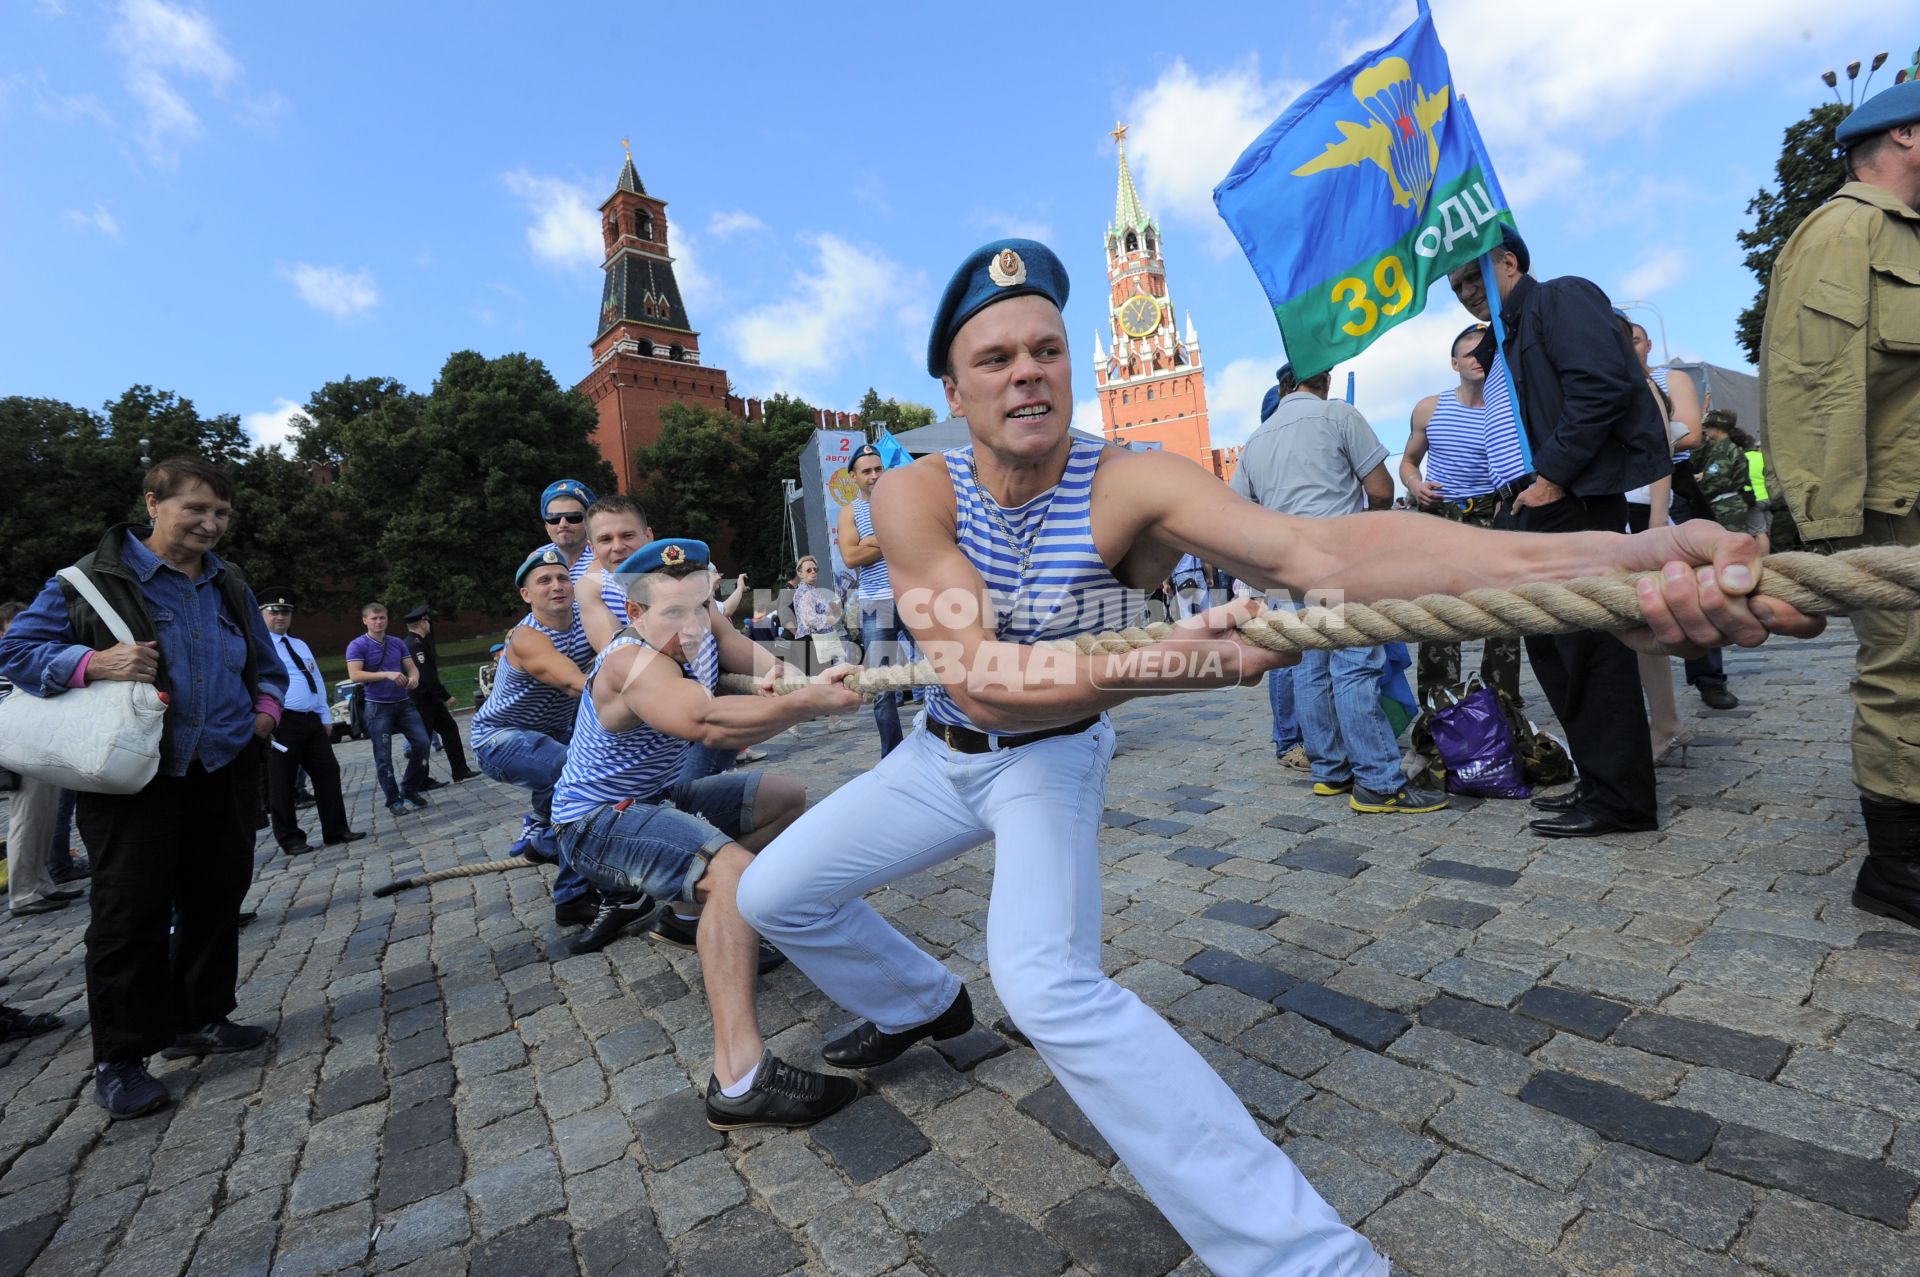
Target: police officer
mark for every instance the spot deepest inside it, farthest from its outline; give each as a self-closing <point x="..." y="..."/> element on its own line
<point x="302" y="735"/>
<point x="431" y="696"/>
<point x="1840" y="359"/>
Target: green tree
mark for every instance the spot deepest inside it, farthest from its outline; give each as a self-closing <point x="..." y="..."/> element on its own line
<point x="442" y="488"/>
<point x="279" y="531"/>
<point x="899" y="416"/>
<point x="714" y="476"/>
<point x="1806" y="175"/>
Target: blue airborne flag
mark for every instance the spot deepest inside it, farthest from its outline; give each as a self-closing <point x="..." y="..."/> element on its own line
<point x="1365" y="191"/>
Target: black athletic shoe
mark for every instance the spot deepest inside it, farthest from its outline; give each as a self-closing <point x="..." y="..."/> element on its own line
<point x="614" y="916"/>
<point x="1716" y="695"/>
<point x="222" y="1037"/>
<point x="866" y="1046"/>
<point x="781" y="1095"/>
<point x="579" y="911"/>
<point x="127" y="1089"/>
<point x="669" y="929"/>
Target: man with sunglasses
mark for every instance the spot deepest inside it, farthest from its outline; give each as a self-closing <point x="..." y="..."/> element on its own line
<point x="1465" y="441"/>
<point x="563" y="508"/>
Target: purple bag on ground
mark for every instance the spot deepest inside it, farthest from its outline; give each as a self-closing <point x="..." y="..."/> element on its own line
<point x="1476" y="746"/>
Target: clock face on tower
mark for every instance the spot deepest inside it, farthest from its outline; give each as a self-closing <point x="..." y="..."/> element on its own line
<point x="1139" y="315"/>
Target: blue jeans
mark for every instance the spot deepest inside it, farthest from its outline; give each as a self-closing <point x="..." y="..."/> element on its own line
<point x="659" y="849"/>
<point x="1286" y="726"/>
<point x="1337" y="698"/>
<point x="384" y="718"/>
<point x="884" y="641"/>
<point x="533" y="760"/>
<point x="705" y="760"/>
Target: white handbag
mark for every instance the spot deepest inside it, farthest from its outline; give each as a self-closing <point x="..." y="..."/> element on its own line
<point x="103" y="738"/>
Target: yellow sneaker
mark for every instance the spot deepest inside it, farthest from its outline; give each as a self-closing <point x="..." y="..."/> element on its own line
<point x="1331" y="788"/>
<point x="1406" y="799"/>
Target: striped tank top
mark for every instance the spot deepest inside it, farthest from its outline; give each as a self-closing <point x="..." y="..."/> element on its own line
<point x="875" y="584"/>
<point x="1066" y="588"/>
<point x="642" y="762"/>
<point x="1505" y="460"/>
<point x="522" y="702"/>
<point x="1660" y="376"/>
<point x="1457" y="449"/>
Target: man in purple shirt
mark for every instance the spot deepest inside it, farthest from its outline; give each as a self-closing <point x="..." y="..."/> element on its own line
<point x="383" y="667"/>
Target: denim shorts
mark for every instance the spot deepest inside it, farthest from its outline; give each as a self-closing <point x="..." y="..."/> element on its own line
<point x="662" y="847"/>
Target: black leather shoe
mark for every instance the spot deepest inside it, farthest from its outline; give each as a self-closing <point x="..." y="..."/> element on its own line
<point x="431" y="783"/>
<point x="1584" y="824"/>
<point x="866" y="1046"/>
<point x="351" y="835"/>
<point x="303" y="799"/>
<point x="579" y="911"/>
<point x="466" y="775"/>
<point x="1717" y="696"/>
<point x="615" y="916"/>
<point x="1889" y="881"/>
<point x="300" y="848"/>
<point x="669" y="929"/>
<point x="1561" y="802"/>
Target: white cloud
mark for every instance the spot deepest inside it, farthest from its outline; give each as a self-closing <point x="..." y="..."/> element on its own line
<point x="99" y="220"/>
<point x="698" y="290"/>
<point x="733" y="222"/>
<point x="340" y="293"/>
<point x="161" y="42"/>
<point x="1404" y="367"/>
<point x="1186" y="130"/>
<point x="276" y="425"/>
<point x="1657" y="273"/>
<point x="826" y="316"/>
<point x="997" y="223"/>
<point x="1234" y="392"/>
<point x="566" y="228"/>
<point x="1540" y="74"/>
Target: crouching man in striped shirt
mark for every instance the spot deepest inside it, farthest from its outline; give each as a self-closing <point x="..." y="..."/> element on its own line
<point x="633" y="825"/>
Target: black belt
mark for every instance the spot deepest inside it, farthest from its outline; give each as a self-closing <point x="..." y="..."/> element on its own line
<point x="1508" y="491"/>
<point x="968" y="741"/>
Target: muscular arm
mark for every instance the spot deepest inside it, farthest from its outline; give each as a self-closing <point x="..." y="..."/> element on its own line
<point x="637" y="685"/>
<point x="1426" y="494"/>
<point x="1012" y="687"/>
<point x="1686" y="408"/>
<point x="533" y="653"/>
<point x="600" y="624"/>
<point x="1379" y="487"/>
<point x="856" y="550"/>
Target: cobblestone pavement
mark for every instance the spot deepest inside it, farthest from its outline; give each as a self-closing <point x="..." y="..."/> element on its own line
<point x="1660" y="1055"/>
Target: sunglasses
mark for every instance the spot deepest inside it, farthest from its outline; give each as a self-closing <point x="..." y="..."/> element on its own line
<point x="575" y="517"/>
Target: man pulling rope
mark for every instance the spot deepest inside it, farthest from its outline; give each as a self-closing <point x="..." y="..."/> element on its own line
<point x="1029" y="535"/>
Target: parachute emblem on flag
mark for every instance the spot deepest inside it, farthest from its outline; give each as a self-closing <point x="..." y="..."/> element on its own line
<point x="1400" y="139"/>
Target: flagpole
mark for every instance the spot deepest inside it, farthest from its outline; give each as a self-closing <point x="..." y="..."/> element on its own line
<point x="1491" y="285"/>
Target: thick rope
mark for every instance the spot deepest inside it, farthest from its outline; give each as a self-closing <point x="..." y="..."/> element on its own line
<point x="1877" y="578"/>
<point x="457" y="871"/>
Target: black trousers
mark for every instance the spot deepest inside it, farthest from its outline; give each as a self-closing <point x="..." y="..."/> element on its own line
<point x="1700" y="669"/>
<point x="1592" y="680"/>
<point x="179" y="853"/>
<point x="305" y="736"/>
<point x="439" y="720"/>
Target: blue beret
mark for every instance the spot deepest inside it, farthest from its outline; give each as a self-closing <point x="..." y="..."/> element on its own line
<point x="546" y="556"/>
<point x="1270" y="404"/>
<point x="1887" y="109"/>
<point x="1511" y="241"/>
<point x="993" y="273"/>
<point x="666" y="553"/>
<point x="566" y="488"/>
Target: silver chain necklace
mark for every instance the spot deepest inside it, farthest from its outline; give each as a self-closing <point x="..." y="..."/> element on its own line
<point x="994" y="512"/>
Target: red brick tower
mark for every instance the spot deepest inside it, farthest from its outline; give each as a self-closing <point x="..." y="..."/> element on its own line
<point x="646" y="354"/>
<point x="1151" y="386"/>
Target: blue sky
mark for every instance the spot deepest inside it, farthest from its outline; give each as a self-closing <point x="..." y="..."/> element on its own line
<point x="240" y="202"/>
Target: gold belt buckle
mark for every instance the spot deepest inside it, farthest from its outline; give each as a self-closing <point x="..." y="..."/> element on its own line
<point x="946" y="734"/>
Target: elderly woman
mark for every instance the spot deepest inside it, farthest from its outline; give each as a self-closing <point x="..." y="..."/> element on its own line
<point x="179" y="852"/>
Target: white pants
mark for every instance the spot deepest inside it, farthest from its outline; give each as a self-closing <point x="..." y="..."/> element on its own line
<point x="35" y="807"/>
<point x="1230" y="1191"/>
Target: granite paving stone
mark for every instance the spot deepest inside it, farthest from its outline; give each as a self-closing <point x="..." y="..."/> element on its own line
<point x="1857" y="1185"/>
<point x="445" y="1073"/>
<point x="988" y="1242"/>
<point x="1671" y="1132"/>
<point x="1699" y="1043"/>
